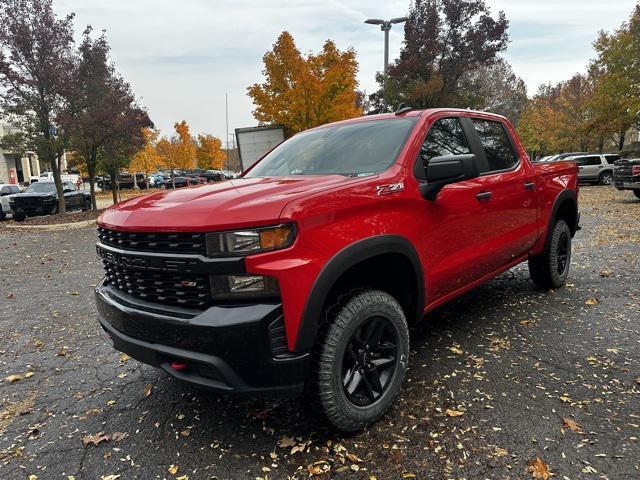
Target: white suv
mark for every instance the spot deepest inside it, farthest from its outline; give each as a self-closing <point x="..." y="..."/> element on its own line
<point x="595" y="168"/>
<point x="6" y="191"/>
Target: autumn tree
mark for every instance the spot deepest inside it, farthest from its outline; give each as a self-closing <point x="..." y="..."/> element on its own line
<point x="102" y="109"/>
<point x="209" y="153"/>
<point x="304" y="92"/>
<point x="147" y="158"/>
<point x="617" y="95"/>
<point x="495" y="88"/>
<point x="443" y="41"/>
<point x="36" y="65"/>
<point x="178" y="151"/>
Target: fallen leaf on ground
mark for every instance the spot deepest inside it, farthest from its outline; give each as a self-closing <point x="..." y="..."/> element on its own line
<point x="538" y="469"/>
<point x="456" y="349"/>
<point x="147" y="389"/>
<point x="453" y="413"/>
<point x="591" y="301"/>
<point x="95" y="439"/>
<point x="571" y="424"/>
<point x="173" y="469"/>
<point x="13" y="378"/>
<point x="109" y="477"/>
<point x="286" y="442"/>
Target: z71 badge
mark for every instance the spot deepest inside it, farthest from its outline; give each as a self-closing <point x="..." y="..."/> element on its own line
<point x="391" y="188"/>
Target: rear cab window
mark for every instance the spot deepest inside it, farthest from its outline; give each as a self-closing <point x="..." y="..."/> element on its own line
<point x="497" y="145"/>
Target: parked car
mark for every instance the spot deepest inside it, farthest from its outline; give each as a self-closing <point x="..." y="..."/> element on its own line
<point x="66" y="177"/>
<point x="125" y="181"/>
<point x="179" y="182"/>
<point x="212" y="176"/>
<point x="563" y="156"/>
<point x="41" y="198"/>
<point x="626" y="175"/>
<point x="304" y="274"/>
<point x="7" y="190"/>
<point x="596" y="168"/>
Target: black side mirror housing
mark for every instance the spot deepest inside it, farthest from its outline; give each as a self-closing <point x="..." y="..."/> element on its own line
<point x="442" y="171"/>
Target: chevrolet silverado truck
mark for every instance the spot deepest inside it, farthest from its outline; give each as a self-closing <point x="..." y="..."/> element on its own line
<point x="626" y="175"/>
<point x="304" y="275"/>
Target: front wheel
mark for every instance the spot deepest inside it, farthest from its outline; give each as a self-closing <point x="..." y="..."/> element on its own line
<point x="637" y="193"/>
<point x="19" y="217"/>
<point x="360" y="359"/>
<point x="550" y="268"/>
<point x="606" y="178"/>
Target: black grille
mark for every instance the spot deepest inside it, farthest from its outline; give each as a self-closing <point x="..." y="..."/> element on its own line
<point x="184" y="290"/>
<point x="187" y="243"/>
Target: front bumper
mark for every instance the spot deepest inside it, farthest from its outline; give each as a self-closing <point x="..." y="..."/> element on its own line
<point x="235" y="349"/>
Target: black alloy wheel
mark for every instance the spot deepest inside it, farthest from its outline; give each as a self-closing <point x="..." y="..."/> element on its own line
<point x="562" y="253"/>
<point x="370" y="361"/>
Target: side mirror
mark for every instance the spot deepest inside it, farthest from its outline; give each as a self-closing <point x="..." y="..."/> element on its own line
<point x="442" y="171"/>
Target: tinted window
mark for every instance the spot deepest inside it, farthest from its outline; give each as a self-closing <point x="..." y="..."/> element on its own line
<point x="4" y="191"/>
<point x="360" y="148"/>
<point x="496" y="145"/>
<point x="611" y="159"/>
<point x="586" y="161"/>
<point x="15" y="189"/>
<point x="445" y="137"/>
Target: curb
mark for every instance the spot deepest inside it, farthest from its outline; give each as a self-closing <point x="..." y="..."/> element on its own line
<point x="53" y="228"/>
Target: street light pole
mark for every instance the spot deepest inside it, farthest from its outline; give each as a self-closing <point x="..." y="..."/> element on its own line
<point x="385" y="26"/>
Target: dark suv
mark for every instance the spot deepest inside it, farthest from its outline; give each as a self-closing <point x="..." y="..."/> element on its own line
<point x="626" y="175"/>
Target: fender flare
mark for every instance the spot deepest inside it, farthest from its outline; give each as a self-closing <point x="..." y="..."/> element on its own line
<point x="564" y="195"/>
<point x="342" y="261"/>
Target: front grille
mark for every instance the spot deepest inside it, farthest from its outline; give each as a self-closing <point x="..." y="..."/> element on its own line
<point x="184" y="243"/>
<point x="184" y="290"/>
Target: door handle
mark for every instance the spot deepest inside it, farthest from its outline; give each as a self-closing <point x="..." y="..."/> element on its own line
<point x="529" y="186"/>
<point x="483" y="196"/>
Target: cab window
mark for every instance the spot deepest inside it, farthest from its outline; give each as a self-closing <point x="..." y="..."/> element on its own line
<point x="496" y="144"/>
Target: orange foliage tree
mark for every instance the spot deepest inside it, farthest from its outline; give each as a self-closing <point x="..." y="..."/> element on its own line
<point x="301" y="93"/>
<point x="209" y="153"/>
<point x="179" y="151"/>
<point x="147" y="158"/>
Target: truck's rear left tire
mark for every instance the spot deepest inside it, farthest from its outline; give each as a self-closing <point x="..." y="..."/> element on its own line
<point x="359" y="360"/>
<point x="550" y="268"/>
<point x="637" y="193"/>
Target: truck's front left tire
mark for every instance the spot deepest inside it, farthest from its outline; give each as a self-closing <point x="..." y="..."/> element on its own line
<point x="550" y="268"/>
<point x="360" y="359"/>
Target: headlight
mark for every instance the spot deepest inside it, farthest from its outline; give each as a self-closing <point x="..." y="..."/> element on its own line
<point x="237" y="287"/>
<point x="246" y="242"/>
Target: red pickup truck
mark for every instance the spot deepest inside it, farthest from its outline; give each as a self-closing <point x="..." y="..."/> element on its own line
<point x="304" y="274"/>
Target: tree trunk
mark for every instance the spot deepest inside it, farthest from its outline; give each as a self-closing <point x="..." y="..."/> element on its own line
<point x="114" y="187"/>
<point x="601" y="145"/>
<point x="621" y="141"/>
<point x="57" y="178"/>
<point x="92" y="187"/>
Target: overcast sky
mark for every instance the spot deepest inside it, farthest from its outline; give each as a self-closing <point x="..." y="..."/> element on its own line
<point x="181" y="57"/>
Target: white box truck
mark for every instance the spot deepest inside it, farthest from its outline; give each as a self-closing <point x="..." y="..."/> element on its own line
<point x="254" y="142"/>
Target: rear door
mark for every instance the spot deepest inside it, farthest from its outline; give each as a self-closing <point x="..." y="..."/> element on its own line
<point x="507" y="193"/>
<point x="589" y="167"/>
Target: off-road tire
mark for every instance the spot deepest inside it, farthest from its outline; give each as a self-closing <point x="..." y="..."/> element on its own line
<point x="342" y="319"/>
<point x="544" y="268"/>
<point x="19" y="217"/>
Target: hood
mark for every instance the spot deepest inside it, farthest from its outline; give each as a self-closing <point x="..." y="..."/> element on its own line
<point x="19" y="196"/>
<point x="231" y="204"/>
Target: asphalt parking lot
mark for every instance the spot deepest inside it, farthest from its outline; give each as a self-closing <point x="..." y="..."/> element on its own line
<point x="505" y="382"/>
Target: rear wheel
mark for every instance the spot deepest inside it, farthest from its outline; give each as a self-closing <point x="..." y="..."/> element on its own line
<point x="550" y="268"/>
<point x="360" y="359"/>
<point x="636" y="193"/>
<point x="606" y="178"/>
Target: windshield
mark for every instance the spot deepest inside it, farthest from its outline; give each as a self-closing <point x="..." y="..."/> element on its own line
<point x="41" y="187"/>
<point x="362" y="148"/>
